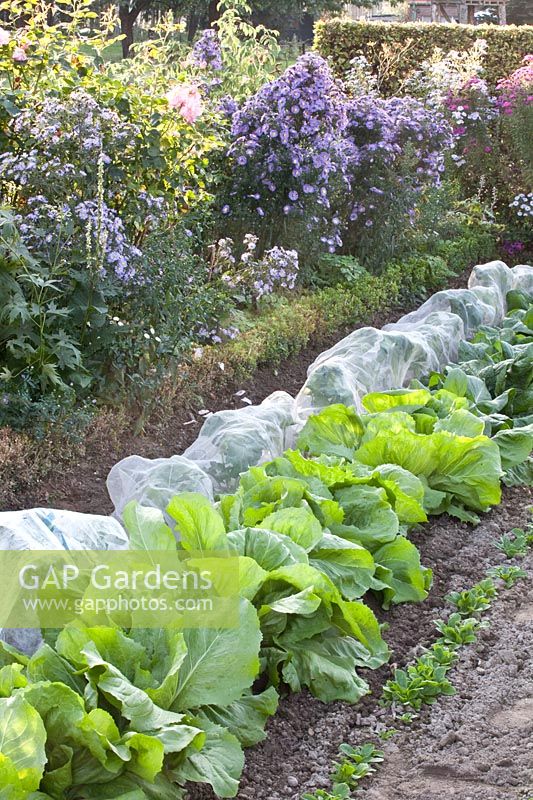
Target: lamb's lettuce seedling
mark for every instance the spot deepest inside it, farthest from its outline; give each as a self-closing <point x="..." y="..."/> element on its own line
<point x="355" y="765"/>
<point x="458" y="631"/>
<point x="516" y="542"/>
<point x="407" y="718"/>
<point x="443" y="655"/>
<point x="420" y="684"/>
<point x="322" y="794"/>
<point x="474" y="600"/>
<point x="508" y="574"/>
<point x="388" y="734"/>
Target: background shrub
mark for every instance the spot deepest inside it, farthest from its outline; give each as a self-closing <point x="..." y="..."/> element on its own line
<point x="394" y="50"/>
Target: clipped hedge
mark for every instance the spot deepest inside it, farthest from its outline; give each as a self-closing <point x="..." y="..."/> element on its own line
<point x="341" y="40"/>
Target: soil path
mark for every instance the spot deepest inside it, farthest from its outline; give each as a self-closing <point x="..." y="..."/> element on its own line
<point x="471" y="746"/>
<point x="477" y="745"/>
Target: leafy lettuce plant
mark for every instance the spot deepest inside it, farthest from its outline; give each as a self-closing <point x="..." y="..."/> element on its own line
<point x="457" y="630"/>
<point x="361" y="513"/>
<point x="143" y="711"/>
<point x="457" y="471"/>
<point x="514" y="544"/>
<point x="474" y="600"/>
<point x="509" y="574"/>
<point x="311" y="634"/>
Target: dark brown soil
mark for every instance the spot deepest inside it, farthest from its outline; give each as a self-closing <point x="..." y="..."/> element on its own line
<point x="304" y="736"/>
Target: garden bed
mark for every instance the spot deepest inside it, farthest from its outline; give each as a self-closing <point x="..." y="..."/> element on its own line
<point x="317" y="528"/>
<point x="184" y="234"/>
<point x="488" y="757"/>
<point x="72" y="474"/>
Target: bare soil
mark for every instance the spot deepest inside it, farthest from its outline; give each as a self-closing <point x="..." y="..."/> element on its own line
<point x="476" y="745"/>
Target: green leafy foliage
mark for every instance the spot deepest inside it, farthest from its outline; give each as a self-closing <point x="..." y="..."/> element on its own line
<point x="458" y="630"/>
<point x="509" y="574"/>
<point x="355" y="764"/>
<point x="443" y="655"/>
<point x="323" y="794"/>
<point x="313" y="530"/>
<point x="458" y="469"/>
<point x="174" y="703"/>
<point x="22" y="753"/>
<point x="419" y="684"/>
<point x="474" y="600"/>
<point x="515" y="543"/>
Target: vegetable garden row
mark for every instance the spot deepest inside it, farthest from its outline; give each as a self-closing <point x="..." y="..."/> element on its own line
<point x="427" y="417"/>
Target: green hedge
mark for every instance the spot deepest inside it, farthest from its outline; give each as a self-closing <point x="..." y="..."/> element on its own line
<point x="342" y="40"/>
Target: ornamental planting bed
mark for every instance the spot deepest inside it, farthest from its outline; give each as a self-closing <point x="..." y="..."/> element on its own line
<point x="332" y="535"/>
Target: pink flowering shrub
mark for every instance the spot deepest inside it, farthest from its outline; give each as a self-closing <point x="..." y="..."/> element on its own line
<point x="493" y="133"/>
<point x="515" y="101"/>
<point x="517" y="89"/>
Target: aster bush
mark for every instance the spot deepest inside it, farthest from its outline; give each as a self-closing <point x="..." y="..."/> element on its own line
<point x="207" y="52"/>
<point x="286" y="159"/>
<point x="394" y="151"/>
<point x="322" y="171"/>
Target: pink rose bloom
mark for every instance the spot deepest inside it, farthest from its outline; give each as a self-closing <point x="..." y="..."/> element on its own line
<point x="4" y="36"/>
<point x="19" y="54"/>
<point x="187" y="100"/>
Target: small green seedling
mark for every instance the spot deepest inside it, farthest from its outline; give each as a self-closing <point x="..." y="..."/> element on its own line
<point x="356" y="764"/>
<point x="515" y="543"/>
<point x="458" y="631"/>
<point x="421" y="683"/>
<point x="388" y="734"/>
<point x="509" y="574"/>
<point x="322" y="794"/>
<point x="443" y="655"/>
<point x="365" y="753"/>
<point x="474" y="600"/>
<point x="407" y="718"/>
